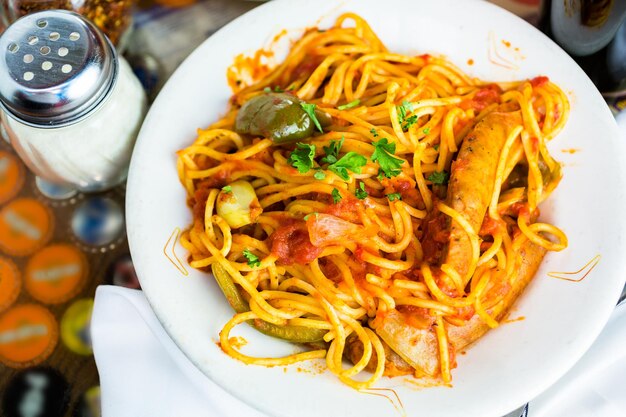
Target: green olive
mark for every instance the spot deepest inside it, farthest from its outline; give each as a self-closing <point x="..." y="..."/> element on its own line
<point x="278" y="116"/>
<point x="324" y="118"/>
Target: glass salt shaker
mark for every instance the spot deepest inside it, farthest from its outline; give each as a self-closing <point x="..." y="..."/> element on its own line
<point x="70" y="106"/>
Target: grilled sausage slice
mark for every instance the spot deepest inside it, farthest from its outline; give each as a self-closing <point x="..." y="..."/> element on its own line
<point x="472" y="179"/>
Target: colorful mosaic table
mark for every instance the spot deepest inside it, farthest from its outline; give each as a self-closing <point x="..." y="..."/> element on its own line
<point x="56" y="247"/>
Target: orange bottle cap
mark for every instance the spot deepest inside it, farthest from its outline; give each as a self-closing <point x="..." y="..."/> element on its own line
<point x="10" y="283"/>
<point x="56" y="274"/>
<point x="28" y="335"/>
<point x="11" y="176"/>
<point x="25" y="226"/>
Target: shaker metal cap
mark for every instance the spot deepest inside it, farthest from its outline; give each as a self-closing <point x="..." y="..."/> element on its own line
<point x="55" y="67"/>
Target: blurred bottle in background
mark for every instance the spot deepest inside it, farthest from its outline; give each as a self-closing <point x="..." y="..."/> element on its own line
<point x="593" y="32"/>
<point x="113" y="17"/>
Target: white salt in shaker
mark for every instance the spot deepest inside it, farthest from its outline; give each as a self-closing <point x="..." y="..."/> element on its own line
<point x="71" y="107"/>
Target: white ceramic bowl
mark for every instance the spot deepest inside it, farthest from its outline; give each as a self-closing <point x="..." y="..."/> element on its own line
<point x="507" y="367"/>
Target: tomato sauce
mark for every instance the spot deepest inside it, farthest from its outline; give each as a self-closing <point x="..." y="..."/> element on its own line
<point x="426" y="57"/>
<point x="534" y="145"/>
<point x="306" y="67"/>
<point x="417" y="317"/>
<point x="291" y="244"/>
<point x="483" y="98"/>
<point x="198" y="203"/>
<point x="520" y="209"/>
<point x="407" y="190"/>
<point x="347" y="209"/>
<point x="491" y="226"/>
<point x="436" y="236"/>
<point x="539" y="81"/>
<point x="358" y="253"/>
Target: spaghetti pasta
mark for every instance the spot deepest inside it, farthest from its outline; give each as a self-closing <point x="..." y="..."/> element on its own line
<point x="379" y="207"/>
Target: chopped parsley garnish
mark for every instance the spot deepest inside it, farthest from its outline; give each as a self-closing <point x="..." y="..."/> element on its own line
<point x="302" y="157"/>
<point x="426" y="130"/>
<point x="277" y="89"/>
<point x="408" y="122"/>
<point x="319" y="175"/>
<point x="310" y="110"/>
<point x="227" y="188"/>
<point x="438" y="177"/>
<point x="394" y="196"/>
<point x="374" y="132"/>
<point x="267" y="90"/>
<point x="350" y="105"/>
<point x="402" y="110"/>
<point x="360" y="192"/>
<point x="253" y="260"/>
<point x="351" y="161"/>
<point x="383" y="154"/>
<point x="336" y="196"/>
<point x="436" y="147"/>
<point x="332" y="151"/>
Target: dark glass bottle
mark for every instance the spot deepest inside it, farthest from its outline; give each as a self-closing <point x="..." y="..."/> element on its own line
<point x="593" y="32"/>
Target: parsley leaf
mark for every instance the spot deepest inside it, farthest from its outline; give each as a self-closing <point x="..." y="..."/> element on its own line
<point x="350" y="105"/>
<point x="383" y="153"/>
<point x="278" y="89"/>
<point x="302" y="157"/>
<point x="227" y="188"/>
<point x="426" y="130"/>
<point x="438" y="178"/>
<point x="319" y="175"/>
<point x="360" y="192"/>
<point x="253" y="260"/>
<point x="332" y="151"/>
<point x="408" y="122"/>
<point x="310" y="110"/>
<point x="374" y="132"/>
<point x="336" y="196"/>
<point x="394" y="196"/>
<point x="402" y="110"/>
<point x="436" y="147"/>
<point x="351" y="161"/>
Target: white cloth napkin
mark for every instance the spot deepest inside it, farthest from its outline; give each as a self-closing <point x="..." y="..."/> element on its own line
<point x="143" y="373"/>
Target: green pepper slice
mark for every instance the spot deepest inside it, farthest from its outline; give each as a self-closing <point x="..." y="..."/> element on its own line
<point x="296" y="334"/>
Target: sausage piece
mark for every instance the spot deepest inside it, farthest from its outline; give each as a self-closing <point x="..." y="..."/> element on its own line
<point x="409" y="349"/>
<point x="530" y="257"/>
<point x="472" y="179"/>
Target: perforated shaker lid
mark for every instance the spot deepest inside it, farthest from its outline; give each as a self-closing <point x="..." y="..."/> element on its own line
<point x="55" y="67"/>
